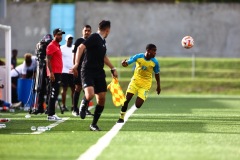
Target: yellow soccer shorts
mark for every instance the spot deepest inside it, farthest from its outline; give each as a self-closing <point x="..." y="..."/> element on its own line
<point x="134" y="89"/>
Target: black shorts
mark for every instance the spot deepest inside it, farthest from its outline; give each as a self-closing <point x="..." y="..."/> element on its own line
<point x="98" y="81"/>
<point x="67" y="80"/>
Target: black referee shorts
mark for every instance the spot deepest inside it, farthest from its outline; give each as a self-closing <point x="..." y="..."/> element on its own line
<point x="98" y="81"/>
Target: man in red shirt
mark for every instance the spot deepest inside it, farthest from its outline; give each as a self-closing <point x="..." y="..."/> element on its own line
<point x="54" y="71"/>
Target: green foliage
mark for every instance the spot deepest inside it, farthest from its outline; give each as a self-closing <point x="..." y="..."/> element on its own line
<point x="212" y="76"/>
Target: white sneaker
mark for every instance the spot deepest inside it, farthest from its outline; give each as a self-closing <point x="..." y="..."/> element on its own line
<point x="18" y="104"/>
<point x="75" y="114"/>
<point x="54" y="118"/>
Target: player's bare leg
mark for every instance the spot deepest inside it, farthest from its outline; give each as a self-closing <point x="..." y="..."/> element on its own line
<point x="89" y="94"/>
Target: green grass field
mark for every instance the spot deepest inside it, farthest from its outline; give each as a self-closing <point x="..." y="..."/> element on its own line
<point x="169" y="128"/>
<point x="193" y="119"/>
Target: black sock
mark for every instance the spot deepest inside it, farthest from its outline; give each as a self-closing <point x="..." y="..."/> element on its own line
<point x="85" y="101"/>
<point x="97" y="114"/>
<point x="75" y="100"/>
<point x="124" y="107"/>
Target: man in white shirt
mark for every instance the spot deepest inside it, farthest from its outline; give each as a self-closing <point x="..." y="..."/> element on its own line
<point x="67" y="78"/>
<point x="25" y="70"/>
<point x="29" y="66"/>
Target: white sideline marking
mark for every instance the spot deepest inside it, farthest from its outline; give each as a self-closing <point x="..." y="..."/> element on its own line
<point x="94" y="151"/>
<point x="50" y="126"/>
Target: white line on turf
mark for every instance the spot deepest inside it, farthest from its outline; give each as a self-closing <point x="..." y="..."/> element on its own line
<point x="94" y="151"/>
<point x="50" y="126"/>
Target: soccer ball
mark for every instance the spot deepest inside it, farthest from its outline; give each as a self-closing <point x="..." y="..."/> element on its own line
<point x="187" y="42"/>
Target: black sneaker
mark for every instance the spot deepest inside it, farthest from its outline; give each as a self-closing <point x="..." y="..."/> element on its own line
<point x="82" y="112"/>
<point x="38" y="111"/>
<point x="94" y="127"/>
<point x="64" y="108"/>
<point x="88" y="113"/>
<point x="120" y="120"/>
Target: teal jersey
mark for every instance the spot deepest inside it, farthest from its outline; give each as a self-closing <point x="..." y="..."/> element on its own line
<point x="144" y="70"/>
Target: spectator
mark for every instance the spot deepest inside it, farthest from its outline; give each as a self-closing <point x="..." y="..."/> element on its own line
<point x="86" y="32"/>
<point x="24" y="70"/>
<point x="29" y="66"/>
<point x="54" y="72"/>
<point x="67" y="78"/>
<point x="14" y="58"/>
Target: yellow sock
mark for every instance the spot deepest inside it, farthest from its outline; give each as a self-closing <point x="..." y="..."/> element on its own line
<point x="122" y="115"/>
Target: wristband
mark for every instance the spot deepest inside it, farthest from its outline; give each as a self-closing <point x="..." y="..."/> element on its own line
<point x="113" y="69"/>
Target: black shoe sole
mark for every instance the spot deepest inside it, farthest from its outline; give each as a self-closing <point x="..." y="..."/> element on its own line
<point x="82" y="115"/>
<point x="120" y="121"/>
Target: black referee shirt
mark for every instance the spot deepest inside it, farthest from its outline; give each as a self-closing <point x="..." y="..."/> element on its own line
<point x="76" y="44"/>
<point x="95" y="52"/>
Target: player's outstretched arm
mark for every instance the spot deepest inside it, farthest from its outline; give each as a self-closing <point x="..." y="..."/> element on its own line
<point x="157" y="77"/>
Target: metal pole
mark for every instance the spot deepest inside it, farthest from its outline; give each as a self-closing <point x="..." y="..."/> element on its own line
<point x="8" y="62"/>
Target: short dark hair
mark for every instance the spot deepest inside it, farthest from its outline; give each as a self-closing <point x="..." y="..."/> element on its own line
<point x="88" y="26"/>
<point x="150" y="46"/>
<point x="103" y="25"/>
<point x="28" y="58"/>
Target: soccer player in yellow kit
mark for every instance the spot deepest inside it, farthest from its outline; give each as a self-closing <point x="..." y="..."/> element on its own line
<point x="141" y="82"/>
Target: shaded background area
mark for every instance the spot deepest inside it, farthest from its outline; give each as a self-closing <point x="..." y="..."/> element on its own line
<point x="214" y="26"/>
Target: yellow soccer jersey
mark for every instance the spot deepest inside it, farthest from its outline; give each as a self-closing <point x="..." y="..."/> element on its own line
<point x="144" y="70"/>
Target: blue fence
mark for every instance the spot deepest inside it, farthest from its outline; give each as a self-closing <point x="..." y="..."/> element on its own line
<point x="63" y="16"/>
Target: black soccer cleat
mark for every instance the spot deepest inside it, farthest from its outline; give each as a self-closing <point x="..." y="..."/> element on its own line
<point x="94" y="127"/>
<point x="82" y="112"/>
<point x="120" y="120"/>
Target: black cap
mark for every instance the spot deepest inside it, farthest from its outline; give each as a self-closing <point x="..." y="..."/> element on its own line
<point x="58" y="30"/>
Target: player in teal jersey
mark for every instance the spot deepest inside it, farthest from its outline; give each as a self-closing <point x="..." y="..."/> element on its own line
<point x="141" y="82"/>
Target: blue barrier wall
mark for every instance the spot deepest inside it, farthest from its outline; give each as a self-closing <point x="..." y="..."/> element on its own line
<point x="63" y="16"/>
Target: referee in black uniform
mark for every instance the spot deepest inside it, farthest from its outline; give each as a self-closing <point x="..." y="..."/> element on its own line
<point x="86" y="32"/>
<point x="92" y="72"/>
